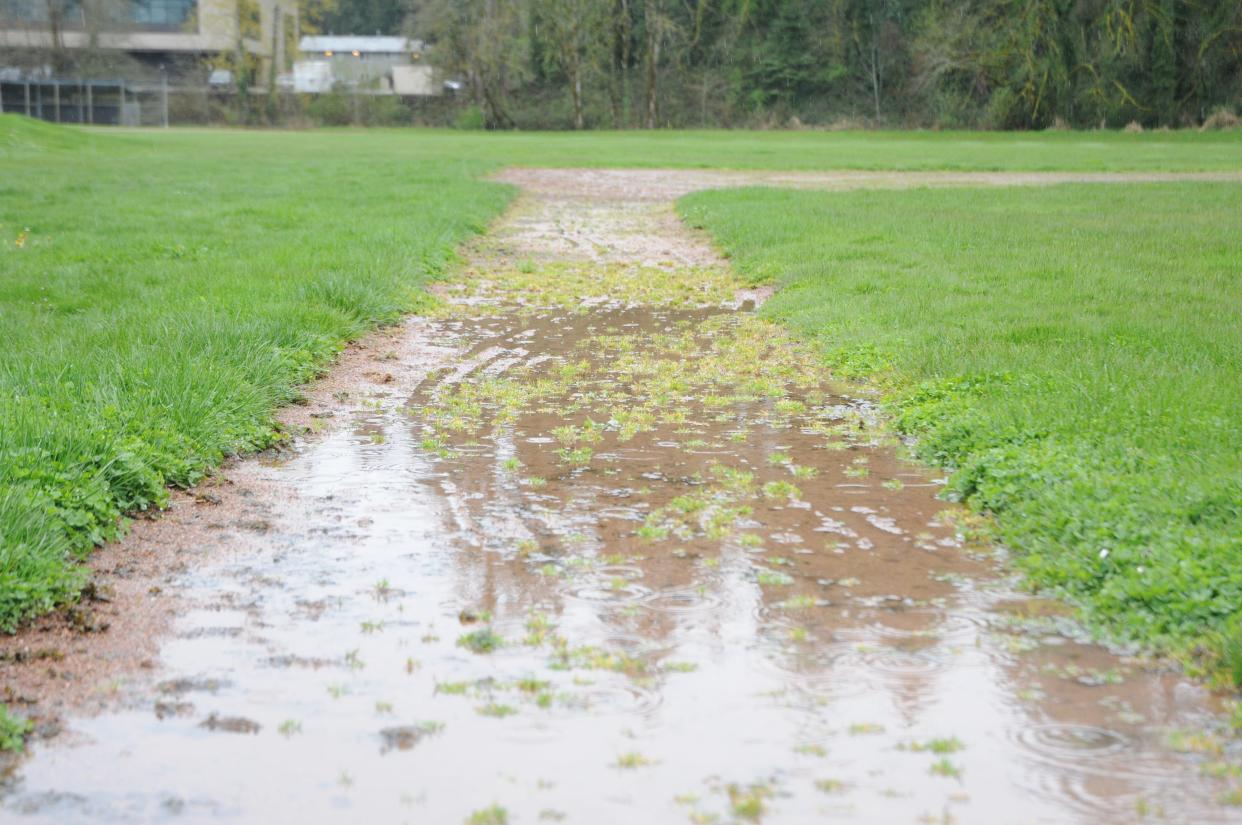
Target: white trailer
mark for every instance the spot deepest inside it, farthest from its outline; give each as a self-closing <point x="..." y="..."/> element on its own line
<point x="312" y="76"/>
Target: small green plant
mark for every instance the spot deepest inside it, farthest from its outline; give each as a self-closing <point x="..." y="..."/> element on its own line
<point x="748" y="802"/>
<point x="13" y="730"/>
<point x="865" y="729"/>
<point x="631" y="760"/>
<point x="679" y="667"/>
<point x="578" y="456"/>
<point x="494" y="815"/>
<point x="496" y="710"/>
<point x="1196" y="741"/>
<point x="538" y="626"/>
<point x="484" y="640"/>
<point x="938" y="746"/>
<point x="529" y="684"/>
<point x="652" y="531"/>
<point x="1222" y="770"/>
<point x="774" y="578"/>
<point x="781" y="489"/>
<point x="943" y="767"/>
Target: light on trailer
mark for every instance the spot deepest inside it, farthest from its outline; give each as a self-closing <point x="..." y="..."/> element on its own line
<point x="357" y="53"/>
<point x="328" y="53"/>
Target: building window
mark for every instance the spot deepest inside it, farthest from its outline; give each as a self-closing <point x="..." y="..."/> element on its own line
<point x="168" y="15"/>
<point x="164" y="14"/>
<point x="37" y="11"/>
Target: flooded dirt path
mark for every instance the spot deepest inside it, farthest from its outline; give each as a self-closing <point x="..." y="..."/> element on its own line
<point x="596" y="544"/>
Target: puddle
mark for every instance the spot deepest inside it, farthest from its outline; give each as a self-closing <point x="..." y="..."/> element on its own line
<point x="627" y="560"/>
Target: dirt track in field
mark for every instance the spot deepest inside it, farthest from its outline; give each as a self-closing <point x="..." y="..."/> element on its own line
<point x="593" y="542"/>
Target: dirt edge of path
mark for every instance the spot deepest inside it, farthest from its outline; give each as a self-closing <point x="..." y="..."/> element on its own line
<point x="81" y="657"/>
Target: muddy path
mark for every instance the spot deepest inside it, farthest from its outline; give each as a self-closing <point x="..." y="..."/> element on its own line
<point x="594" y="543"/>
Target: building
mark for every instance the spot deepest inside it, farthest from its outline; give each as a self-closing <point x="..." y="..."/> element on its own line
<point x="46" y="36"/>
<point x="380" y="65"/>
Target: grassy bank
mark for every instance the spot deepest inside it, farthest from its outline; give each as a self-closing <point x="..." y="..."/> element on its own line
<point x="159" y="302"/>
<point x="1072" y="352"/>
<point x="162" y="292"/>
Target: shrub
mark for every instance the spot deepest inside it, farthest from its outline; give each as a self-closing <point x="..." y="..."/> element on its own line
<point x="470" y="117"/>
<point x="331" y="109"/>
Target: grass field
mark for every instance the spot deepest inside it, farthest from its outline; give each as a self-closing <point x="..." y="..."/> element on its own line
<point x="162" y="293"/>
<point x="1074" y="352"/>
<point x="979" y="151"/>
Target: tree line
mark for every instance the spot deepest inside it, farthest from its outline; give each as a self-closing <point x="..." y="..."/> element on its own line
<point x="1005" y="64"/>
<point x="1012" y="64"/>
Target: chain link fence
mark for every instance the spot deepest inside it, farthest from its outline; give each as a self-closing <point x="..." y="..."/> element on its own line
<point x="155" y="104"/>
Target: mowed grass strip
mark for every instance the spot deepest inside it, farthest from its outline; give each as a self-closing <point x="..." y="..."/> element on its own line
<point x="1099" y="151"/>
<point x="158" y="304"/>
<point x="1111" y="151"/>
<point x="1073" y="353"/>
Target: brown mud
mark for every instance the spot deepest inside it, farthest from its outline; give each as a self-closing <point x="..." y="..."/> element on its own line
<point x="594" y="544"/>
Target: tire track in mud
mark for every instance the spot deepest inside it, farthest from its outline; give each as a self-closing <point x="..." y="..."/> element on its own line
<point x="595" y="543"/>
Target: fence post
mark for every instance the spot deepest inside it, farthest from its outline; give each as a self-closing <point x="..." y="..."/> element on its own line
<point x="120" y="115"/>
<point x="90" y="102"/>
<point x="164" y="94"/>
<point x="39" y="100"/>
<point x="27" y="98"/>
<point x="56" y="99"/>
<point x="1" y="98"/>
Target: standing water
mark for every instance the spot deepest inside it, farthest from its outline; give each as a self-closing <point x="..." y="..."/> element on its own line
<point x="620" y="553"/>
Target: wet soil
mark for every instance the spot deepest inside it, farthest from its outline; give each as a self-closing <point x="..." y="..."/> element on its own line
<point x="594" y="543"/>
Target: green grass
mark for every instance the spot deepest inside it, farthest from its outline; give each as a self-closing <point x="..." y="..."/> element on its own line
<point x="21" y="136"/>
<point x="172" y="288"/>
<point x="1074" y="353"/>
<point x="982" y="151"/>
<point x="164" y="302"/>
